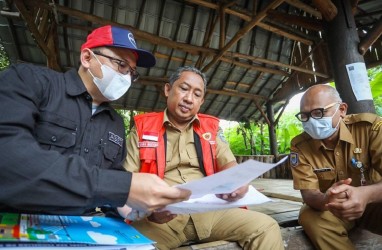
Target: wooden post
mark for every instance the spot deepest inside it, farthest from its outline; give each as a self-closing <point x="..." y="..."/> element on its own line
<point x="272" y="131"/>
<point x="343" y="44"/>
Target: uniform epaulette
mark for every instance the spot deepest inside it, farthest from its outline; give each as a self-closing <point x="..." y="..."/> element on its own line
<point x="377" y="125"/>
<point x="363" y="117"/>
<point x="300" y="138"/>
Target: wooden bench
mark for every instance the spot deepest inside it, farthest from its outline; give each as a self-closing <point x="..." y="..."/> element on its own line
<point x="284" y="210"/>
<point x="295" y="239"/>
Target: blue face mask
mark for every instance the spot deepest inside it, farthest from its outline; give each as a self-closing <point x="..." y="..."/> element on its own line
<point x="320" y="128"/>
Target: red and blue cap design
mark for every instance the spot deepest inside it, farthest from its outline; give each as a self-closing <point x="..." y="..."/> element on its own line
<point x="111" y="36"/>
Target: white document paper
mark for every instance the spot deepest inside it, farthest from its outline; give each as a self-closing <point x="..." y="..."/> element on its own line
<point x="210" y="202"/>
<point x="228" y="180"/>
<point x="359" y="81"/>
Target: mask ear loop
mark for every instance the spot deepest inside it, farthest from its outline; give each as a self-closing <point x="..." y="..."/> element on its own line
<point x="95" y="56"/>
<point x="339" y="119"/>
<point x="97" y="61"/>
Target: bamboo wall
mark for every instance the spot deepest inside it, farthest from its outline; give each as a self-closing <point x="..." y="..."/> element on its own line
<point x="281" y="171"/>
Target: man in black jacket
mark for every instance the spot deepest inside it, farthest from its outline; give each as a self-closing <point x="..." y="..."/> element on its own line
<point x="61" y="143"/>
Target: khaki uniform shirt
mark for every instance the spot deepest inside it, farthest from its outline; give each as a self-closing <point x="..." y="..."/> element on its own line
<point x="181" y="166"/>
<point x="360" y="140"/>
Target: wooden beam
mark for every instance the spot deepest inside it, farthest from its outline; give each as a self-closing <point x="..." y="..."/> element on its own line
<point x="243" y="31"/>
<point x="279" y="64"/>
<point x="327" y="8"/>
<point x="160" y="82"/>
<point x="222" y="26"/>
<point x="370" y="14"/>
<point x="354" y="4"/>
<point x="137" y="33"/>
<point x="371" y="37"/>
<point x="265" y="117"/>
<point x="222" y="9"/>
<point x="302" y="6"/>
<point x="254" y="67"/>
<point x="249" y="17"/>
<point x="305" y="22"/>
<point x="283" y="33"/>
<point x="212" y="21"/>
<point x="173" y="58"/>
<point x="196" y="50"/>
<point x="288" y="87"/>
<point x="237" y="94"/>
<point x="52" y="59"/>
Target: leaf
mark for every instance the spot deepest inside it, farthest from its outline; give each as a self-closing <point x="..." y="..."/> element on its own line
<point x="376" y="85"/>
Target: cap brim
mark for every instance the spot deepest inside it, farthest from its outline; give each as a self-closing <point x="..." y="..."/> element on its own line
<point x="145" y="58"/>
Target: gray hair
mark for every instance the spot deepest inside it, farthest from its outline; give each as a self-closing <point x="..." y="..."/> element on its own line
<point x="176" y="75"/>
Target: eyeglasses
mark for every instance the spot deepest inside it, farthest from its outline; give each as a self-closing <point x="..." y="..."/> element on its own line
<point x="314" y="113"/>
<point x="123" y="67"/>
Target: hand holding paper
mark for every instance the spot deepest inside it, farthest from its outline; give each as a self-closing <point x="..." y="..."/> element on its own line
<point x="203" y="197"/>
<point x="230" y="179"/>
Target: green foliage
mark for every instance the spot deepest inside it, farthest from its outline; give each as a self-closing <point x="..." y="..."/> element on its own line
<point x="4" y="59"/>
<point x="236" y="141"/>
<point x="375" y="76"/>
<point x="126" y="115"/>
<point x="239" y="136"/>
<point x="378" y="105"/>
<point x="287" y="128"/>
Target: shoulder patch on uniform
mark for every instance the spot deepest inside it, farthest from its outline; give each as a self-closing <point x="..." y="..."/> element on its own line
<point x="293" y="159"/>
<point x="221" y="136"/>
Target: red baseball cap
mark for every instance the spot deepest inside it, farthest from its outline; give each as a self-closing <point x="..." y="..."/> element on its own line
<point x="110" y="36"/>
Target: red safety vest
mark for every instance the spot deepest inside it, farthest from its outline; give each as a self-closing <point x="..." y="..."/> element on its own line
<point x="152" y="142"/>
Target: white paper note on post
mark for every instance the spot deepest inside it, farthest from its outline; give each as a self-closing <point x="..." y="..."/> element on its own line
<point x="359" y="81"/>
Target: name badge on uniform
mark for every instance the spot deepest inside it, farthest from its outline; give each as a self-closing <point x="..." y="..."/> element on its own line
<point x="357" y="151"/>
<point x="147" y="144"/>
<point x="115" y="139"/>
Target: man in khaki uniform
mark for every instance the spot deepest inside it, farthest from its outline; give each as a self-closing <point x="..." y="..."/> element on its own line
<point x="180" y="122"/>
<point x="336" y="164"/>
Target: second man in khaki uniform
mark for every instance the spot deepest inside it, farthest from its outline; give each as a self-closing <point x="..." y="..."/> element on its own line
<point x="336" y="164"/>
<point x="252" y="230"/>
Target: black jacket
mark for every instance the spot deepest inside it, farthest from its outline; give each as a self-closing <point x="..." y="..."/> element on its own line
<point x="55" y="156"/>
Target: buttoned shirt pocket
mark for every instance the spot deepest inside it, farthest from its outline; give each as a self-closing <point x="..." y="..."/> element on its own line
<point x="192" y="155"/>
<point x="55" y="131"/>
<point x="326" y="179"/>
<point x="110" y="152"/>
<point x="168" y="152"/>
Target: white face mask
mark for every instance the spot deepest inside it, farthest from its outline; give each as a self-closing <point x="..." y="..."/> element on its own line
<point x="112" y="85"/>
<point x="320" y="128"/>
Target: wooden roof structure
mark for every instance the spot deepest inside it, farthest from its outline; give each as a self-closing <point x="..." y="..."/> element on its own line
<point x="255" y="53"/>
